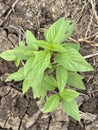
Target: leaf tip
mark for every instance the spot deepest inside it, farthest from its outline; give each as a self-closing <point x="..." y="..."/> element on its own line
<point x="8" y="79"/>
<point x="23" y="92"/>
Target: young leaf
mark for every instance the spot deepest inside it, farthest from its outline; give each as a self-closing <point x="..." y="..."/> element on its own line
<point x="71" y="108"/>
<point x="69" y="95"/>
<point x="39" y="91"/>
<point x="40" y="63"/>
<point x="57" y="47"/>
<point x="30" y="40"/>
<point x="28" y="65"/>
<point x="49" y="83"/>
<point x="26" y="86"/>
<point x="56" y="33"/>
<point x="72" y="45"/>
<point x="72" y="60"/>
<point x="23" y="52"/>
<point x="70" y="30"/>
<point x="8" y="55"/>
<point x="43" y="44"/>
<point x="75" y="80"/>
<point x="51" y="103"/>
<point x="53" y="46"/>
<point x="17" y="76"/>
<point x="61" y="76"/>
<point x="17" y="62"/>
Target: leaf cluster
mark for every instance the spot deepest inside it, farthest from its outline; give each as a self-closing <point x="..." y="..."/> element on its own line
<point x="51" y="65"/>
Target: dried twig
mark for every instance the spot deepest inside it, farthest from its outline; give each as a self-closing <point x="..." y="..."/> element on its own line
<point x="92" y="55"/>
<point x="92" y="43"/>
<point x="74" y="40"/>
<point x="93" y="9"/>
<point x="88" y="116"/>
<point x="93" y="35"/>
<point x="12" y="8"/>
<point x="88" y="28"/>
<point x="81" y="13"/>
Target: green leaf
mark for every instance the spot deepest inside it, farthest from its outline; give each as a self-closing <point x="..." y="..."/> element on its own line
<point x="70" y="30"/>
<point x="39" y="91"/>
<point x="49" y="83"/>
<point x="57" y="32"/>
<point x="23" y="52"/>
<point x="51" y="70"/>
<point x="53" y="46"/>
<point x="43" y="44"/>
<point x="30" y="40"/>
<point x="71" y="108"/>
<point x="51" y="103"/>
<point x="17" y="76"/>
<point x="57" y="47"/>
<point x="61" y="76"/>
<point x="72" y="45"/>
<point x="17" y="62"/>
<point x="28" y="65"/>
<point x="40" y="63"/>
<point x="8" y="55"/>
<point x="69" y="95"/>
<point x="72" y="60"/>
<point x="26" y="86"/>
<point x="75" y="80"/>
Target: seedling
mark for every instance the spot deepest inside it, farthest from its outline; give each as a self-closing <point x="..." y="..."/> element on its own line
<point x="50" y="67"/>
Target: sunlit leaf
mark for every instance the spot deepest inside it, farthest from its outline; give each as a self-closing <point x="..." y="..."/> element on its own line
<point x="17" y="76"/>
<point x="69" y="95"/>
<point x="73" y="61"/>
<point x="17" y="62"/>
<point x="53" y="46"/>
<point x="22" y="52"/>
<point x="8" y="55"/>
<point x="31" y="40"/>
<point x="39" y="91"/>
<point x="61" y="76"/>
<point x="59" y="31"/>
<point x="28" y="65"/>
<point x="70" y="30"/>
<point x="51" y="103"/>
<point x="75" y="80"/>
<point x="40" y="63"/>
<point x="71" y="108"/>
<point x="72" y="45"/>
<point x="49" y="83"/>
<point x="26" y="86"/>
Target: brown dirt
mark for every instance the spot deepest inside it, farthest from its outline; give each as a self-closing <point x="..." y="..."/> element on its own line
<point x="18" y="112"/>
